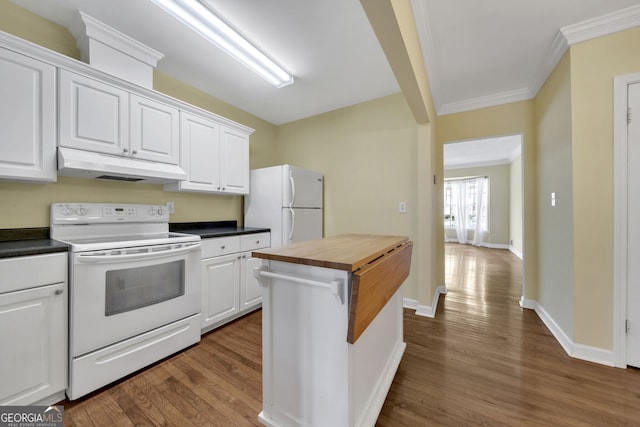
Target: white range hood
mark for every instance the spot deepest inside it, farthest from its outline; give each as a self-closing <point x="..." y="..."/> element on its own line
<point x="87" y="164"/>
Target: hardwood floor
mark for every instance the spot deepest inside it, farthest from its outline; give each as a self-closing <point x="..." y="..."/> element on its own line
<point x="481" y="361"/>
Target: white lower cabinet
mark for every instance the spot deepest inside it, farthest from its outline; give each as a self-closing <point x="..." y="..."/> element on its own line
<point x="229" y="289"/>
<point x="33" y="329"/>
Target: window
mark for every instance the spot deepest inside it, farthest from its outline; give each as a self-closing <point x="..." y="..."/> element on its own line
<point x="468" y="187"/>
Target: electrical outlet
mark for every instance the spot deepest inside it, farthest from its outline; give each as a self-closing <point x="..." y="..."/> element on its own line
<point x="170" y="207"/>
<point x="403" y="207"/>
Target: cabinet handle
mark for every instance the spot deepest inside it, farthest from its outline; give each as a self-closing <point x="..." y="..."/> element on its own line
<point x="257" y="242"/>
<point x="134" y="152"/>
<point x="222" y="247"/>
<point x="59" y="292"/>
<point x="125" y="150"/>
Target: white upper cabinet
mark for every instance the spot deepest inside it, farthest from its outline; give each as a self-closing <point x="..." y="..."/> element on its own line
<point x="155" y="130"/>
<point x="27" y="118"/>
<point x="234" y="161"/>
<point x="215" y="156"/>
<point x="99" y="117"/>
<point x="94" y="116"/>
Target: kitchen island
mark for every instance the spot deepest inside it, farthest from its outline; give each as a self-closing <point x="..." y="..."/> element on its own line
<point x="332" y="335"/>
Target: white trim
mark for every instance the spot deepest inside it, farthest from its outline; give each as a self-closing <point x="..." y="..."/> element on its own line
<point x="487" y="163"/>
<point x="87" y="27"/>
<point x="410" y="303"/>
<point x="554" y="55"/>
<point x="553" y="327"/>
<point x="516" y="252"/>
<point x="593" y="354"/>
<point x="529" y="304"/>
<point x="602" y="25"/>
<point x="620" y="190"/>
<point x="571" y="34"/>
<point x="486" y="101"/>
<point x="577" y="351"/>
<point x="426" y="311"/>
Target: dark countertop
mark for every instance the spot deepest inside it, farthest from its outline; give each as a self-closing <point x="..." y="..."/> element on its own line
<point x="207" y="230"/>
<point x="17" y="242"/>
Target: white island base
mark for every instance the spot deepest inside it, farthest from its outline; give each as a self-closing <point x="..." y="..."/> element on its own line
<point x="311" y="375"/>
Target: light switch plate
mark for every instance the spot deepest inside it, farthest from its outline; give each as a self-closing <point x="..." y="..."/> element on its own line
<point x="170" y="207"/>
<point x="403" y="207"/>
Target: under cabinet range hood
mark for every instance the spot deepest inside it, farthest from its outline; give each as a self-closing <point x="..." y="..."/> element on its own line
<point x="87" y="164"/>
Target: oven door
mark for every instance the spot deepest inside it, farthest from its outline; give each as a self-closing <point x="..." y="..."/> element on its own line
<point x="119" y="293"/>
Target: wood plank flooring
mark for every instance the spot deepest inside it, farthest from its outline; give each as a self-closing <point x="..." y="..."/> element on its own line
<point x="482" y="361"/>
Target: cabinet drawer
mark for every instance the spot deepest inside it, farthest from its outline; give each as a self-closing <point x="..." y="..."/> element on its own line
<point x="32" y="271"/>
<point x="220" y="246"/>
<point x="249" y="242"/>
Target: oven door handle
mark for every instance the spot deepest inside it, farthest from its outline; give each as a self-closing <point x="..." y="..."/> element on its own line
<point x="110" y="258"/>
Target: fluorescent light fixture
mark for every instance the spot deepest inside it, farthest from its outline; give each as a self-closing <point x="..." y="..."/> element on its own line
<point x="202" y="20"/>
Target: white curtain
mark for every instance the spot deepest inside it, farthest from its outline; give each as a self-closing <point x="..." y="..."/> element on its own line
<point x="477" y="234"/>
<point x="459" y="194"/>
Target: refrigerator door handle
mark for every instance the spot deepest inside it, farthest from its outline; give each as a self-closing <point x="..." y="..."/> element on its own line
<point x="293" y="189"/>
<point x="293" y="223"/>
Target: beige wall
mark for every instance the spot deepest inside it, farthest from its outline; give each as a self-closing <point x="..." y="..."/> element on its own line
<point x="507" y="119"/>
<point x="515" y="204"/>
<point x="593" y="65"/>
<point x="367" y="155"/>
<point x="555" y="231"/>
<point x="499" y="204"/>
<point x="27" y="205"/>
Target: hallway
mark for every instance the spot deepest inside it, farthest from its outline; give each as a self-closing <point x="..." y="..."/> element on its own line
<point x="485" y="361"/>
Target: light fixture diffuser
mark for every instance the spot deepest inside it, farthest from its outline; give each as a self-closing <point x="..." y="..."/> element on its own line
<point x="203" y="21"/>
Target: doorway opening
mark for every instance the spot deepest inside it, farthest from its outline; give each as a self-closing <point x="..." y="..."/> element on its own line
<point x="483" y="199"/>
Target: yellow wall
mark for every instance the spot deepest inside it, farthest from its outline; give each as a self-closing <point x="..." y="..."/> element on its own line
<point x="507" y="119"/>
<point x="555" y="231"/>
<point x="594" y="63"/>
<point x="27" y="205"/>
<point x="515" y="204"/>
<point x="367" y="154"/>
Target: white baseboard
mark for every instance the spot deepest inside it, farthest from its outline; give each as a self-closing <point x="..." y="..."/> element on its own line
<point x="515" y="252"/>
<point x="557" y="332"/>
<point x="594" y="354"/>
<point x="410" y="303"/>
<point x="578" y="351"/>
<point x="426" y="311"/>
<point x="527" y="303"/>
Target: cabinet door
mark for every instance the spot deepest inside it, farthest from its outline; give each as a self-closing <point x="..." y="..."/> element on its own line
<point x="94" y="116"/>
<point x="234" y="165"/>
<point x="220" y="288"/>
<point x="200" y="139"/>
<point x="250" y="289"/>
<point x="27" y="118"/>
<point x="155" y="132"/>
<point x="33" y="332"/>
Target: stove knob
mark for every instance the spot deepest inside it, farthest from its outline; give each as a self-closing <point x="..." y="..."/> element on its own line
<point x="152" y="211"/>
<point x="160" y="211"/>
<point x="81" y="211"/>
<point x="67" y="211"/>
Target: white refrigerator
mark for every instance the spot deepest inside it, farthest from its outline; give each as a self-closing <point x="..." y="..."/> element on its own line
<point x="288" y="200"/>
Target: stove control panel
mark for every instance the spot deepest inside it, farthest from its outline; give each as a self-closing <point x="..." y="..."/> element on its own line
<point x="105" y="213"/>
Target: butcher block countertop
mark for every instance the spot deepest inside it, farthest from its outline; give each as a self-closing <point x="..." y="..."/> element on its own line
<point x="349" y="252"/>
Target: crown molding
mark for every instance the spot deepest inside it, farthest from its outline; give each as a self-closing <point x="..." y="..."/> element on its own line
<point x="551" y="59"/>
<point x="569" y="35"/>
<point x="486" y="101"/>
<point x="603" y="25"/>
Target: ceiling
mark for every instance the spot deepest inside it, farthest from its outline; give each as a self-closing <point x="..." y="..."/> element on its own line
<point x="477" y="53"/>
<point x="481" y="152"/>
